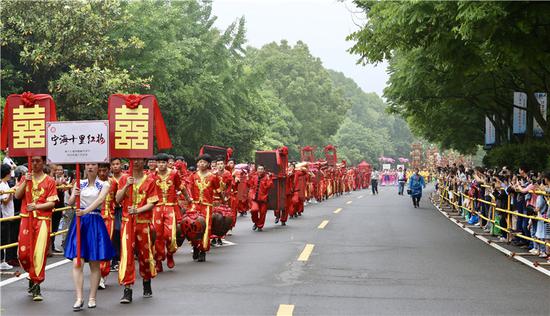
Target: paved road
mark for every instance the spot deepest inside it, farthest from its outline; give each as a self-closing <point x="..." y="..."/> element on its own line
<point x="377" y="256"/>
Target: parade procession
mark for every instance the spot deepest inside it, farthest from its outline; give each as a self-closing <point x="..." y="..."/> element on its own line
<point x="159" y="203"/>
<point x="274" y="157"/>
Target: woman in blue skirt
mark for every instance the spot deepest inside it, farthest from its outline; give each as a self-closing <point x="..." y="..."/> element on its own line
<point x="95" y="244"/>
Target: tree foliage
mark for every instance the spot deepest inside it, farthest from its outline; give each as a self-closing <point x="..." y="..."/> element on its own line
<point x="454" y="63"/>
<point x="308" y="102"/>
<point x="211" y="88"/>
<point x="368" y="131"/>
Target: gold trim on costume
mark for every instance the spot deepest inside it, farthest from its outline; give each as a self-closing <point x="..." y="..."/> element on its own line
<point x="173" y="244"/>
<point x="206" y="236"/>
<point x="152" y="199"/>
<point x="137" y="197"/>
<point x="123" y="254"/>
<point x="40" y="248"/>
<point x="152" y="266"/>
<point x="53" y="198"/>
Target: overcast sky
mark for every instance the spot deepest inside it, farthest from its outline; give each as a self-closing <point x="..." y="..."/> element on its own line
<point x="322" y="24"/>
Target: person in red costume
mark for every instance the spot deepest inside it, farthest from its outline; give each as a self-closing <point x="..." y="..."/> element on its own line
<point x="222" y="201"/>
<point x="138" y="194"/>
<point x="260" y="183"/>
<point x="38" y="194"/>
<point x="233" y="190"/>
<point x="108" y="214"/>
<point x="201" y="187"/>
<point x="289" y="191"/>
<point x="300" y="186"/>
<point x="117" y="174"/>
<point x="240" y="190"/>
<point x="166" y="212"/>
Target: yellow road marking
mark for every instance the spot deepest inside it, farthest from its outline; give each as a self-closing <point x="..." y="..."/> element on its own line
<point x="306" y="252"/>
<point x="349" y="202"/>
<point x="338" y="210"/>
<point x="323" y="224"/>
<point x="285" y="310"/>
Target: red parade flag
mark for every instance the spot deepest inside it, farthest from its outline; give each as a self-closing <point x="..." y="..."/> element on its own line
<point x="24" y="124"/>
<point x="131" y="121"/>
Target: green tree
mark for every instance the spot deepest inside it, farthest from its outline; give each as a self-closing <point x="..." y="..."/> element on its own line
<point x="69" y="54"/>
<point x="454" y="63"/>
<point x="312" y="107"/>
<point x="368" y="131"/>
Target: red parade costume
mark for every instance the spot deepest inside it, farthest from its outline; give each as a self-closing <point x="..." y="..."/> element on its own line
<point x="167" y="215"/>
<point x="289" y="191"/>
<point x="259" y="187"/>
<point x="241" y="204"/>
<point x="201" y="190"/>
<point x="135" y="232"/>
<point x="300" y="187"/>
<point x="222" y="206"/>
<point x="35" y="228"/>
<point x="108" y="214"/>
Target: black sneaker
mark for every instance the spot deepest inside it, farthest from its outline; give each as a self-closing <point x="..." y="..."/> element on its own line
<point x="220" y="242"/>
<point x="147" y="291"/>
<point x="202" y="256"/>
<point x="254" y="227"/>
<point x="29" y="289"/>
<point x="276" y="220"/>
<point x="195" y="253"/>
<point x="36" y="296"/>
<point x="283" y="223"/>
<point x="127" y="296"/>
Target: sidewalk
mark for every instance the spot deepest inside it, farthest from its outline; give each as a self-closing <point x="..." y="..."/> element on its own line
<point x="520" y="254"/>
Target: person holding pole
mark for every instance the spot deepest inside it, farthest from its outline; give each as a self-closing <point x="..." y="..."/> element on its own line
<point x="95" y="242"/>
<point x="38" y="194"/>
<point x="138" y="195"/>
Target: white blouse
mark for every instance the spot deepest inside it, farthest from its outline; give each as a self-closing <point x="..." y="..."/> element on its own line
<point x="89" y="193"/>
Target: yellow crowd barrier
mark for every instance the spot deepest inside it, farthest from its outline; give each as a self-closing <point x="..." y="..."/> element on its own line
<point x="17" y="217"/>
<point x="444" y="191"/>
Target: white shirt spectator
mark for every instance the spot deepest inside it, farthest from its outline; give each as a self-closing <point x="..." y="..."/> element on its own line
<point x="7" y="160"/>
<point x="401" y="176"/>
<point x="7" y="209"/>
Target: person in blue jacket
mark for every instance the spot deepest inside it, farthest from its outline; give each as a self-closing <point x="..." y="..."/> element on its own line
<point x="416" y="184"/>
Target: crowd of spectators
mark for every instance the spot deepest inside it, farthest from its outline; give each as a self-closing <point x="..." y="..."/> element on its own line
<point x="482" y="196"/>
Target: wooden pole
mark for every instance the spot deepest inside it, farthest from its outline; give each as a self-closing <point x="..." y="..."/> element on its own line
<point x="28" y="191"/>
<point x="77" y="217"/>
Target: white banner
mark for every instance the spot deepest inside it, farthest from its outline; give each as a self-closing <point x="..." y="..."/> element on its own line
<point x="490" y="136"/>
<point x="542" y="101"/>
<point x="520" y="113"/>
<point x="386" y="166"/>
<point x="77" y="142"/>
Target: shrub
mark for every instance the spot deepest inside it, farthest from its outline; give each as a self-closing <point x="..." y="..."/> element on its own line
<point x="535" y="155"/>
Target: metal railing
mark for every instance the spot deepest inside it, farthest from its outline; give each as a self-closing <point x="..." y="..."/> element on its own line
<point x="18" y="217"/>
<point x="444" y="191"/>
